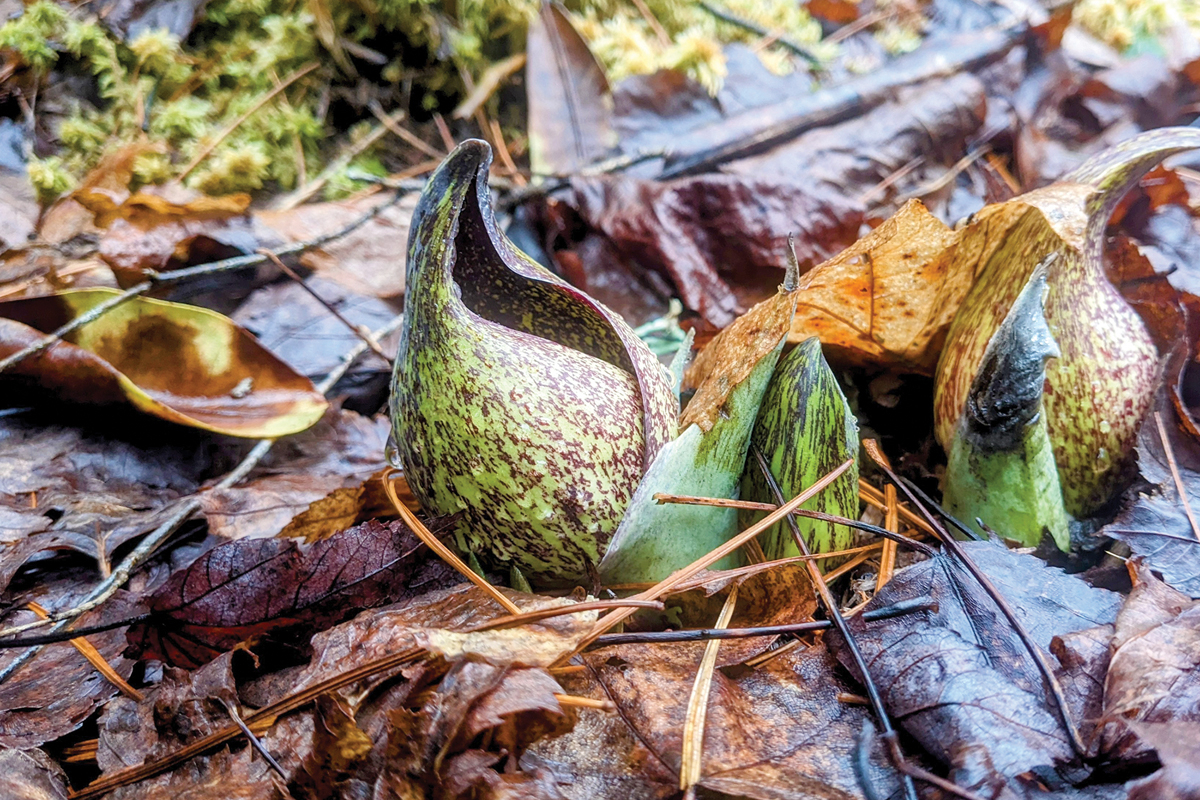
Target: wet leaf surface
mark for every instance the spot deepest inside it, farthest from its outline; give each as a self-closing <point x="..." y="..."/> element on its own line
<point x="1155" y="523"/>
<point x="959" y="680"/>
<point x="252" y="587"/>
<point x="570" y="106"/>
<point x="31" y="775"/>
<point x="182" y="363"/>
<point x="368" y="261"/>
<point x="771" y="731"/>
<point x="34" y="707"/>
<point x="1154" y="674"/>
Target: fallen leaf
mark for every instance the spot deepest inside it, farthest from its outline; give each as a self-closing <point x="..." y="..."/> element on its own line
<point x="161" y="228"/>
<point x="1178" y="748"/>
<point x="1154" y="674"/>
<point x="717" y="236"/>
<point x="1155" y="523"/>
<point x="182" y="708"/>
<point x="775" y="731"/>
<point x="296" y="327"/>
<point x="887" y="300"/>
<point x="339" y="746"/>
<point x="959" y="680"/>
<point x="84" y="490"/>
<point x="252" y="587"/>
<point x="308" y="484"/>
<point x="185" y="364"/>
<point x="570" y="106"/>
<point x="30" y="775"/>
<point x="781" y="595"/>
<point x="34" y="708"/>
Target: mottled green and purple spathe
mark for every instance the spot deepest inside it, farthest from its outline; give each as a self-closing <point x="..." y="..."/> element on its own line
<point x="518" y="402"/>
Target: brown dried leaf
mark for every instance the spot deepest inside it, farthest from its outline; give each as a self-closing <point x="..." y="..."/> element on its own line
<point x="34" y="707"/>
<point x="888" y="299"/>
<point x="772" y="732"/>
<point x="160" y="228"/>
<point x="86" y="491"/>
<point x="30" y="775"/>
<point x="308" y="483"/>
<point x="368" y="261"/>
<point x="339" y="746"/>
<point x="1154" y="675"/>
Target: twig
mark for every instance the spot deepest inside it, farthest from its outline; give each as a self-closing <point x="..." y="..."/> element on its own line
<point x="254" y="740"/>
<point x="704" y="634"/>
<point x="540" y="614"/>
<point x="831" y="607"/>
<point x="726" y="15"/>
<point x="357" y="330"/>
<point x="174" y="276"/>
<point x="956" y="549"/>
<point x="574" y="701"/>
<point x="692" y="759"/>
<point x="444" y="552"/>
<point x="206" y="151"/>
<point x="106" y="588"/>
<point x="392" y="123"/>
<point x="1179" y="486"/>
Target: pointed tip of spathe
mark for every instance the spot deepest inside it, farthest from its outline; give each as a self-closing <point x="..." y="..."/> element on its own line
<point x="791" y="280"/>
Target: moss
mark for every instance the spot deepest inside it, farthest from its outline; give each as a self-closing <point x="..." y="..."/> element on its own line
<point x="1133" y="26"/>
<point x="186" y="95"/>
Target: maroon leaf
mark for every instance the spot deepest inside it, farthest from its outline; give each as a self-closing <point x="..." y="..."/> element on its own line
<point x="249" y="588"/>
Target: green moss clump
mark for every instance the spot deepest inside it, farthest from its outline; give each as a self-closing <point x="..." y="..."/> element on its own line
<point x="184" y="97"/>
<point x="1133" y="26"/>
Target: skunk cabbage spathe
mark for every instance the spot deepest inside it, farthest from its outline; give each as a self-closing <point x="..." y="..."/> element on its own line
<point x="518" y="402"/>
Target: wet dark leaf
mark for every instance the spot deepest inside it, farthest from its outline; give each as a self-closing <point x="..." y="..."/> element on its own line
<point x="570" y="107"/>
<point x="307" y="484"/>
<point x="35" y="706"/>
<point x="30" y="775"/>
<point x="83" y="490"/>
<point x="249" y="588"/>
<point x="293" y="325"/>
<point x="1154" y="675"/>
<point x="369" y="261"/>
<point x="959" y="680"/>
<point x="185" y="364"/>
<point x="157" y="229"/>
<point x="775" y="731"/>
<point x="1178" y="747"/>
<point x="718" y="237"/>
<point x="1155" y="523"/>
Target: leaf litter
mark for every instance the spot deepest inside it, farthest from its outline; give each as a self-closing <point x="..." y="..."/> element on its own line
<point x="363" y="666"/>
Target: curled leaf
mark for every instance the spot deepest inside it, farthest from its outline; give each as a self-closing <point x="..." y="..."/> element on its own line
<point x="182" y="363"/>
